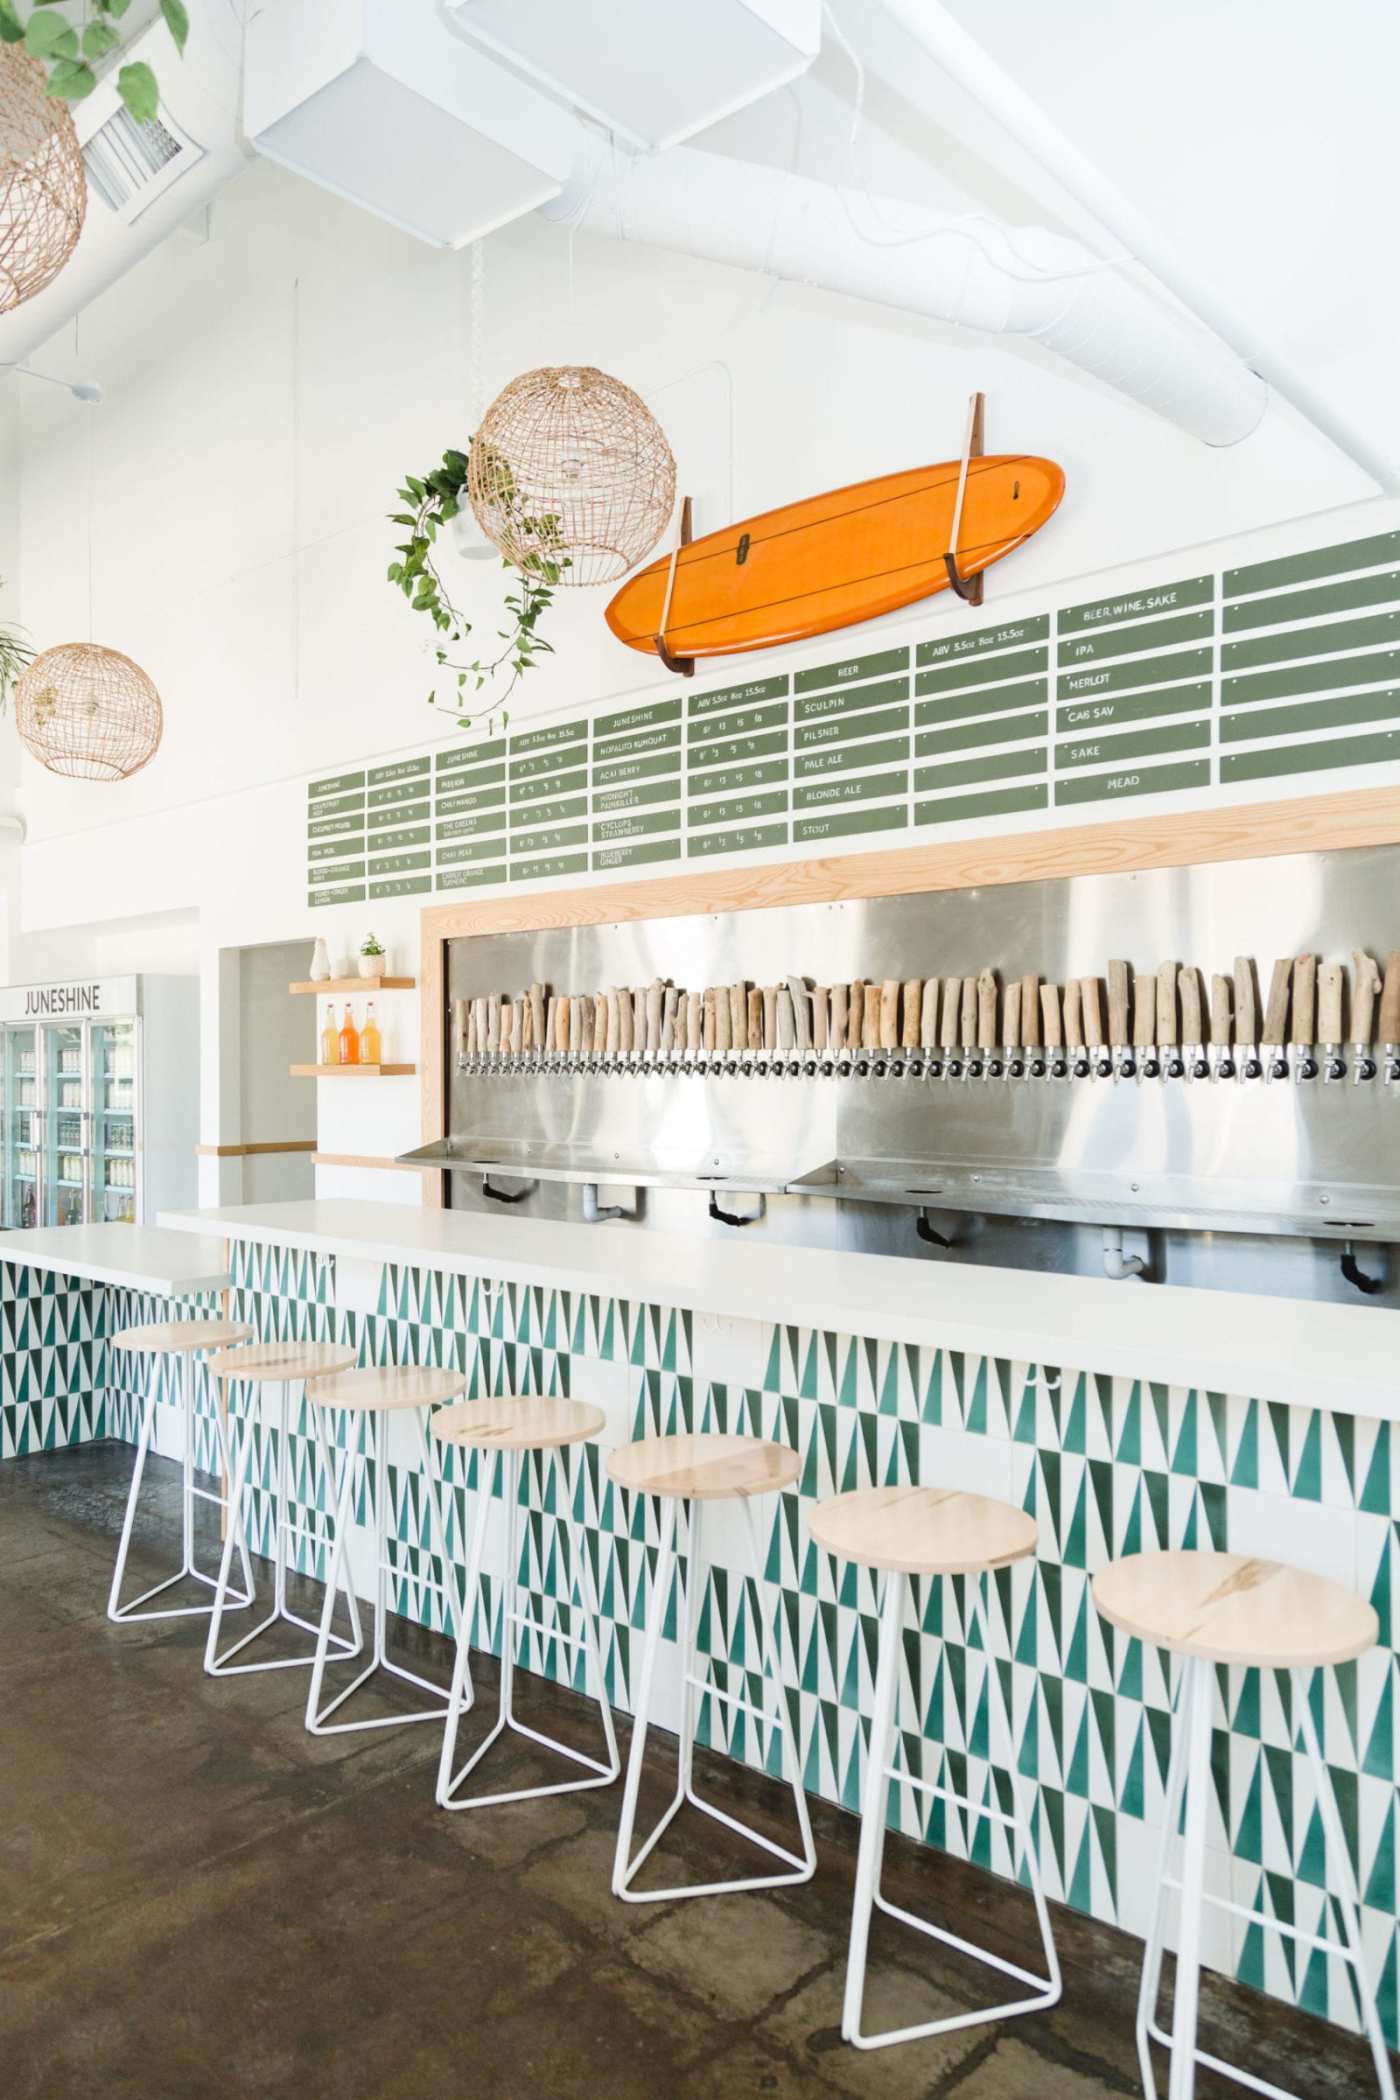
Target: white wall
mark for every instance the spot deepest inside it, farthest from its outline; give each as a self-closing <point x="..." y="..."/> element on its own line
<point x="266" y="389"/>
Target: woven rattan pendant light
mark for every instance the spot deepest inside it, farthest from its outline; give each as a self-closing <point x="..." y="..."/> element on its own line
<point x="88" y="713"/>
<point x="85" y="711"/>
<point x="570" y="466"/>
<point x="43" y="184"/>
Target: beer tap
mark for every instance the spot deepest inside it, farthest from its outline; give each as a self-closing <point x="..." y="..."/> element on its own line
<point x="1331" y="994"/>
<point x="707" y="1024"/>
<point x="1053" y="1031"/>
<point x="840" y="1029"/>
<point x="551" y="1031"/>
<point x="537" y="1035"/>
<point x="461" y="1032"/>
<point x="821" y="1028"/>
<point x="754" y="1030"/>
<point x="1390" y="1017"/>
<point x="1222" y="1063"/>
<point x="870" y="1027"/>
<point x="911" y="1000"/>
<point x="1031" y="1034"/>
<point x="770" y="1030"/>
<point x="639" y="1030"/>
<point x="1168" y="1032"/>
<point x="1274" y="1050"/>
<point x="612" y="1033"/>
<point x="1249" y="1057"/>
<point x="784" y="1061"/>
<point x="507" y="1035"/>
<point x="670" y="1009"/>
<point x="887" y="1030"/>
<point x="694" y="1030"/>
<point x="656" y="993"/>
<point x="598" y="1051"/>
<point x="719" y="1029"/>
<point x="802" y="1025"/>
<point x="1303" y="1040"/>
<point x="987" y="1058"/>
<point x="1363" y="1012"/>
<point x="1091" y="1005"/>
<point x="855" y="1029"/>
<point x="1193" y="1033"/>
<point x="928" y="1028"/>
<point x="1074" y="1029"/>
<point x="738" y="1027"/>
<point x="581" y="1032"/>
<point x="967" y="1028"/>
<point x="1015" y="1064"/>
<point x="1149" y="1064"/>
<point x="626" y="1028"/>
<point x="1119" y="979"/>
<point x="566" y="1033"/>
<point x="493" y="1032"/>
<point x="479" y="1018"/>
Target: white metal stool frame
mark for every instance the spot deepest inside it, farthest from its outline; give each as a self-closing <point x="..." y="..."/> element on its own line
<point x="222" y="1333"/>
<point x="462" y="1697"/>
<point x="1188" y="1776"/>
<point x="318" y="1718"/>
<point x="626" y="1866"/>
<point x="223" y="1665"/>
<point x="879" y="1773"/>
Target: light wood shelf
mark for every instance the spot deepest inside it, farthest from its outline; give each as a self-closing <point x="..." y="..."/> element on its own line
<point x="351" y="1071"/>
<point x="356" y="984"/>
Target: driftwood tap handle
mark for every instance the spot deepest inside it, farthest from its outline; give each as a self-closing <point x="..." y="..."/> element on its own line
<point x="889" y="1014"/>
<point x="1050" y="1015"/>
<point x="1144" y="1010"/>
<point x="911" y="1008"/>
<point x="986" y="1010"/>
<point x="1276" y="1013"/>
<point x="1305" y="1000"/>
<point x="770" y="1018"/>
<point x="738" y="1015"/>
<point x="821" y="1017"/>
<point x="1118" y="978"/>
<point x="1011" y="1015"/>
<point x="1365" y="992"/>
<point x="928" y="1015"/>
<point x="1074" y="1025"/>
<point x="785" y="1020"/>
<point x="694" y="1022"/>
<point x="1331" y="979"/>
<point x="1390" y="999"/>
<point x="1092" y="1009"/>
<point x="801" y="1012"/>
<point x="1168" y="1035"/>
<point x="855" y="1022"/>
<point x="839" y="1038"/>
<point x="755" y="1018"/>
<point x="1189" y="985"/>
<point x="1030" y="1012"/>
<point x="1220" y="1004"/>
<point x="1246" y="1004"/>
<point x="952" y="1012"/>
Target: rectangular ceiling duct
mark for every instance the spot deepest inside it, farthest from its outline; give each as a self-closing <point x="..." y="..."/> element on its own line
<point x="381" y="103"/>
<point x="653" y="71"/>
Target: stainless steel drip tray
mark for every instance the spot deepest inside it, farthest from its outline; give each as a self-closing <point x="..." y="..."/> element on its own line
<point x="530" y="1159"/>
<point x="1189" y="1203"/>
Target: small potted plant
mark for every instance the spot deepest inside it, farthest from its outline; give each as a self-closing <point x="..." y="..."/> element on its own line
<point x="371" y="957"/>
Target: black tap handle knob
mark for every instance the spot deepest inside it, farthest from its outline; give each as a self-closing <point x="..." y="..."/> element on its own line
<point x="1037" y="1068"/>
<point x="1059" y="1069"/>
<point x="1176" y="1069"/>
<point x="1200" y="1069"/>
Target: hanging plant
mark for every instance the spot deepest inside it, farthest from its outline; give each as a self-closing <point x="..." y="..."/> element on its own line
<point x="434" y="500"/>
<point x="69" y="55"/>
<point x="14" y="656"/>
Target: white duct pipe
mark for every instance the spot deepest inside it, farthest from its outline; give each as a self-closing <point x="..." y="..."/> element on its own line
<point x="1036" y="284"/>
<point x="945" y="41"/>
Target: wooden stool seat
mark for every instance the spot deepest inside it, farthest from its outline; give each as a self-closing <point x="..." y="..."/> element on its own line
<point x="384" y="1388"/>
<point x="282" y="1363"/>
<point x="182" y="1337"/>
<point x="1231" y="1608"/>
<point x="531" y="1423"/>
<point x="923" y="1530"/>
<point x="703" y="1468"/>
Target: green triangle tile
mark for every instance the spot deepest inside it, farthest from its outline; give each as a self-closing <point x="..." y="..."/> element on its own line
<point x="1307" y="1480"/>
<point x="1375" y="1492"/>
<point x="1379" y="1759"/>
<point x="1245" y="1471"/>
<point x="1129" y="1451"/>
<point x="1074" y="1435"/>
<point x="1184" y="1458"/>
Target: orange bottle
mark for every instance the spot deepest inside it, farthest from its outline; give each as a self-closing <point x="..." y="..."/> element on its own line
<point x="370" y="1050"/>
<point x="349" y="1041"/>
<point x="330" y="1053"/>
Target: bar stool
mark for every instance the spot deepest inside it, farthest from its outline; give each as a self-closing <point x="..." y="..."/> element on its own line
<point x="280" y="1364"/>
<point x="184" y="1340"/>
<point x="684" y="1473"/>
<point x="1225" y="1608"/>
<point x="377" y="1395"/>
<point x="929" y="1532"/>
<point x="508" y="1428"/>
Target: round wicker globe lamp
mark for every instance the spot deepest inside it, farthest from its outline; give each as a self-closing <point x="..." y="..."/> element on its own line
<point x="43" y="184"/>
<point x="571" y="470"/>
<point x="88" y="713"/>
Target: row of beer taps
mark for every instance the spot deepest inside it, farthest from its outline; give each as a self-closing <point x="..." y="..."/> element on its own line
<point x="1317" y="1024"/>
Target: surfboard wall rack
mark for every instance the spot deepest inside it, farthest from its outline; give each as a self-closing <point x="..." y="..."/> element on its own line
<point x="970" y="589"/>
<point x="683" y="666"/>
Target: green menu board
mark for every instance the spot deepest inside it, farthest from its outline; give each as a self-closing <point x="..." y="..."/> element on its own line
<point x="1276" y="669"/>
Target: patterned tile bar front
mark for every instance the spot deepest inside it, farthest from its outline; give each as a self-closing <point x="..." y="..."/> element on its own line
<point x="1106" y="1465"/>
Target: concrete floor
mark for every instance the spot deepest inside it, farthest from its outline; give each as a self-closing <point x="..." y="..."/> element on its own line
<point x="196" y="1898"/>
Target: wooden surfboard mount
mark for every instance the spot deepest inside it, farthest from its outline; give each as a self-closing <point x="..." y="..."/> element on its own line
<point x="968" y="588"/>
<point x="838" y="558"/>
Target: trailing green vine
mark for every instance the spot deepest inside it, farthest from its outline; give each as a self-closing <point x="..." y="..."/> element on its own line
<point x="434" y="500"/>
<point x="14" y="655"/>
<point x="70" y="55"/>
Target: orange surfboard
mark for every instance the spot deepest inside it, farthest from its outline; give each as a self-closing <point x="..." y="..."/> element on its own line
<point x="834" y="559"/>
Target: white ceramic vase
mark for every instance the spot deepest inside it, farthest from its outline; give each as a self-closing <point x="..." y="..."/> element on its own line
<point x="320" y="961"/>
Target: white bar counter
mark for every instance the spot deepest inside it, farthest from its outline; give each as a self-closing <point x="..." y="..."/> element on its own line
<point x="1339" y="1357"/>
<point x="139" y="1257"/>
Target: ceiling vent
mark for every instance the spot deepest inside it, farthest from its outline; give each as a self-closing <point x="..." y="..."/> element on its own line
<point x="130" y="164"/>
<point x="381" y="103"/>
<point x="654" y="71"/>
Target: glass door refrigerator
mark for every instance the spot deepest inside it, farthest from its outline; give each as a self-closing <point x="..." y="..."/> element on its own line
<point x="80" y="1062"/>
